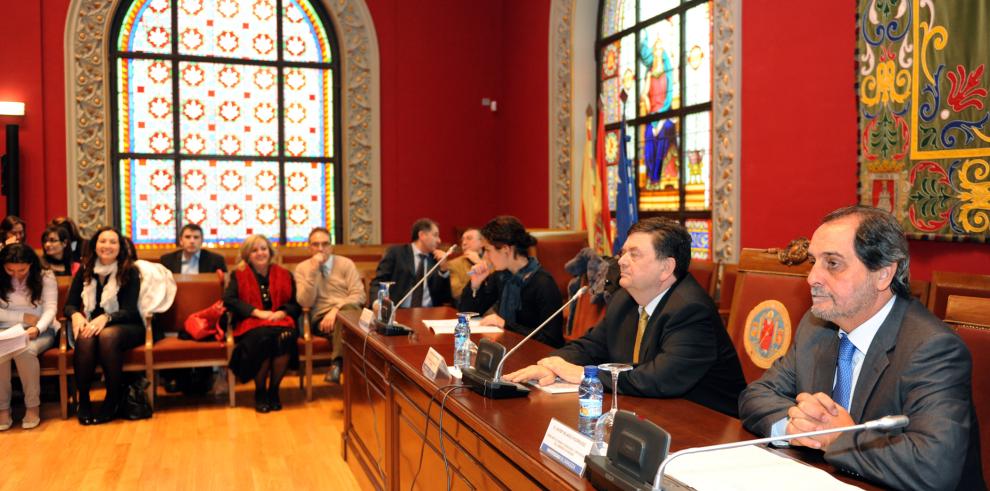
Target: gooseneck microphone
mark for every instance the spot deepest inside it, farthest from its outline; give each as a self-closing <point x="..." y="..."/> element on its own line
<point x="485" y="377"/>
<point x="882" y="424"/>
<point x="393" y="329"/>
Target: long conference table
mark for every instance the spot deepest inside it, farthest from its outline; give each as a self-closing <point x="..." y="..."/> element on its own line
<point x="489" y="444"/>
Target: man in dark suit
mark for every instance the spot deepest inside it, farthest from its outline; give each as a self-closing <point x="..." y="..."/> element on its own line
<point x="868" y="349"/>
<point x="406" y="264"/>
<point x="192" y="258"/>
<point x="662" y="322"/>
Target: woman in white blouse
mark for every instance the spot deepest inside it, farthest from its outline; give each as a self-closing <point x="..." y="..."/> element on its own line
<point x="29" y="297"/>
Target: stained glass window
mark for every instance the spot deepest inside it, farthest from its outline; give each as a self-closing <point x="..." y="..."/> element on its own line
<point x="659" y="53"/>
<point x="225" y="116"/>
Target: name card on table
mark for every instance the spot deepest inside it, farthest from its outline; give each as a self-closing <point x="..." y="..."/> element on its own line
<point x="434" y="365"/>
<point x="367" y="317"/>
<point x="566" y="445"/>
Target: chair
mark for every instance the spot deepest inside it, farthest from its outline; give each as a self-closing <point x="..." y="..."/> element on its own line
<point x="970" y="316"/>
<point x="586" y="315"/>
<point x="946" y="283"/>
<point x="769" y="298"/>
<point x="728" y="272"/>
<point x="705" y="273"/>
<point x="920" y="289"/>
<point x="554" y="248"/>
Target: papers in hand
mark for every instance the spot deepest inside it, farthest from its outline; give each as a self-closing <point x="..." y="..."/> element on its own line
<point x="13" y="340"/>
<point x="748" y="468"/>
<point x="446" y="326"/>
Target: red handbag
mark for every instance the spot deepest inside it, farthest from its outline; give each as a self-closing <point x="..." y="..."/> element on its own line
<point x="205" y="323"/>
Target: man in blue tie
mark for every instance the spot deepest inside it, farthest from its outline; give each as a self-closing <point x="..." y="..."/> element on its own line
<point x="867" y="349"/>
<point x="406" y="264"/>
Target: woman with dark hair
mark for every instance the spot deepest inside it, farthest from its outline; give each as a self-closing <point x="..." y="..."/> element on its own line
<point x="11" y="230"/>
<point x="262" y="297"/>
<point x="57" y="255"/>
<point x="510" y="284"/>
<point x="76" y="241"/>
<point x="28" y="297"/>
<point x="103" y="306"/>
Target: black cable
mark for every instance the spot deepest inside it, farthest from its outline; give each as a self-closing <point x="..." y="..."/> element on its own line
<point x="426" y="431"/>
<point x="443" y="450"/>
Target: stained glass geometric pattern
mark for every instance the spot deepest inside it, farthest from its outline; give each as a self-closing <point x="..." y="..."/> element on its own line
<point x="229" y="130"/>
<point x="147" y="27"/>
<point x="302" y="42"/>
<point x="618" y="73"/>
<point x="659" y="166"/>
<point x="148" y="200"/>
<point x="306" y="189"/>
<point x="228" y="29"/>
<point x="697" y="161"/>
<point x="144" y="106"/>
<point x="701" y="238"/>
<point x="698" y="53"/>
<point x="307" y="112"/>
<point x="659" y="73"/>
<point x="617" y="16"/>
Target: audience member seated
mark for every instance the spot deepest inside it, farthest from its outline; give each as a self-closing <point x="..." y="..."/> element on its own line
<point x="191" y="258"/>
<point x="77" y="243"/>
<point x="326" y="284"/>
<point x="28" y="297"/>
<point x="262" y="298"/>
<point x="471" y="251"/>
<point x="865" y="350"/>
<point x="662" y="322"/>
<point x="102" y="305"/>
<point x="11" y="230"/>
<point x="406" y="264"/>
<point x="57" y="255"/>
<point x="511" y="287"/>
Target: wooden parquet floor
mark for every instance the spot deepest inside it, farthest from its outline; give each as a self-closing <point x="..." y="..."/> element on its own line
<point x="194" y="443"/>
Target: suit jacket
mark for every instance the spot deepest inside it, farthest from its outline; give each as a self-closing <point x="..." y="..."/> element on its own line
<point x="399" y="266"/>
<point x="209" y="262"/>
<point x="915" y="366"/>
<point x="685" y="352"/>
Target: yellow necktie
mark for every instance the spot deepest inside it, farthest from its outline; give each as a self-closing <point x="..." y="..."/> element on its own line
<point x="644" y="318"/>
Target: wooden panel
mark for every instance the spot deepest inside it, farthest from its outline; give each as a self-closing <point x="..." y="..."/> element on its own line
<point x="948" y="283"/>
<point x="975" y="311"/>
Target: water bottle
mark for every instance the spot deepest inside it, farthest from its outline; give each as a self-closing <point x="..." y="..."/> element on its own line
<point x="384" y="304"/>
<point x="590" y="395"/>
<point x="462" y="341"/>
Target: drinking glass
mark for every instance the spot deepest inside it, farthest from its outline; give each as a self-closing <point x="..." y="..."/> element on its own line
<point x="603" y="427"/>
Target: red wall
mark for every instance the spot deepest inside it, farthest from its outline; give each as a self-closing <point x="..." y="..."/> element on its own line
<point x="798" y="129"/>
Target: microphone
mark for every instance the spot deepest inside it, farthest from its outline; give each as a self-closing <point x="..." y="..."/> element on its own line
<point x="485" y="380"/>
<point x="393" y="329"/>
<point x="882" y="424"/>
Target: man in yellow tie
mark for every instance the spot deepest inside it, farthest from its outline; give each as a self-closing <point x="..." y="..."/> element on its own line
<point x="662" y="322"/>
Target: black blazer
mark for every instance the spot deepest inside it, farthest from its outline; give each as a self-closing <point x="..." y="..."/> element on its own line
<point x="540" y="297"/>
<point x="686" y="351"/>
<point x="399" y="266"/>
<point x="209" y="262"/>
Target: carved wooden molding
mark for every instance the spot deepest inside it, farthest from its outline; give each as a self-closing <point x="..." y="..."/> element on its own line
<point x="725" y="139"/>
<point x="88" y="115"/>
<point x="560" y="73"/>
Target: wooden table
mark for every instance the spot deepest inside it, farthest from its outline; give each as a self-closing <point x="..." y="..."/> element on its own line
<point x="489" y="444"/>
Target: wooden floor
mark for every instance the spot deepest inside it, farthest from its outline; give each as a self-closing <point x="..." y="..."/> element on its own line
<point x="191" y="443"/>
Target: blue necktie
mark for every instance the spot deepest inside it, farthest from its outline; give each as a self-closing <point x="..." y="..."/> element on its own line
<point x="844" y="373"/>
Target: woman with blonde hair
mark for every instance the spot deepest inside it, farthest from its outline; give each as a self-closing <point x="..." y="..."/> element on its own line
<point x="262" y="298"/>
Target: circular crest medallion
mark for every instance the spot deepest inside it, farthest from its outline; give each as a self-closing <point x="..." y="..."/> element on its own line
<point x="768" y="333"/>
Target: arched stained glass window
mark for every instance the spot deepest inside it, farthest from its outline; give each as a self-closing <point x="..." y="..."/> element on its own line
<point x="658" y="53"/>
<point x="225" y="116"/>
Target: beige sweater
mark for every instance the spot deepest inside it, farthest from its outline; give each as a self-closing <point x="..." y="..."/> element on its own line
<point x="341" y="288"/>
<point x="459" y="277"/>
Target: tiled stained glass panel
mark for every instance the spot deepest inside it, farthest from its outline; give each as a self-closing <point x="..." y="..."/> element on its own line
<point x="619" y="72"/>
<point x="651" y="8"/>
<point x="147" y="27"/>
<point x="302" y="41"/>
<point x="659" y="165"/>
<point x="307" y="186"/>
<point x="144" y="106"/>
<point x="618" y="15"/>
<point x="148" y="201"/>
<point x="697" y="161"/>
<point x="659" y="75"/>
<point x="231" y="200"/>
<point x="698" y="53"/>
<point x="701" y="238"/>
<point x="308" y="104"/>
<point x="228" y="29"/>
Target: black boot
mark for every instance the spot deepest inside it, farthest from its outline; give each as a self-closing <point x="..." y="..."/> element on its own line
<point x="273" y="400"/>
<point x="261" y="404"/>
<point x="85" y="413"/>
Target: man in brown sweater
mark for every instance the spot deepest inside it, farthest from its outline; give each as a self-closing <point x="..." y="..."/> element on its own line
<point x="325" y="284"/>
<point x="471" y="249"/>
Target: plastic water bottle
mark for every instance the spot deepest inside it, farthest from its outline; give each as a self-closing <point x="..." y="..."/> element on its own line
<point x="462" y="341"/>
<point x="590" y="396"/>
<point x="384" y="304"/>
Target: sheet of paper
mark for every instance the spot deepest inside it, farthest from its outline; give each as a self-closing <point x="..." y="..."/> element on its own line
<point x="749" y="467"/>
<point x="556" y="387"/>
<point x="446" y="326"/>
<point x="13" y="340"/>
<point x="13" y="332"/>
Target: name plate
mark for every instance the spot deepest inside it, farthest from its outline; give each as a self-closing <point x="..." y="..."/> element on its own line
<point x="367" y="318"/>
<point x="434" y="365"/>
<point x="566" y="445"/>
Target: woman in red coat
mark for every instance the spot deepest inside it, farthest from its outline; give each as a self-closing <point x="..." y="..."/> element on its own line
<point x="262" y="298"/>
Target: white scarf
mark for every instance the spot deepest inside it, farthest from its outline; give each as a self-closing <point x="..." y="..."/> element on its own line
<point x="108" y="300"/>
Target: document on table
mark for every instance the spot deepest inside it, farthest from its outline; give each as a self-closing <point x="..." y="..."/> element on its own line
<point x="13" y="340"/>
<point x="558" y="387"/>
<point x="749" y="467"/>
<point x="446" y="326"/>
